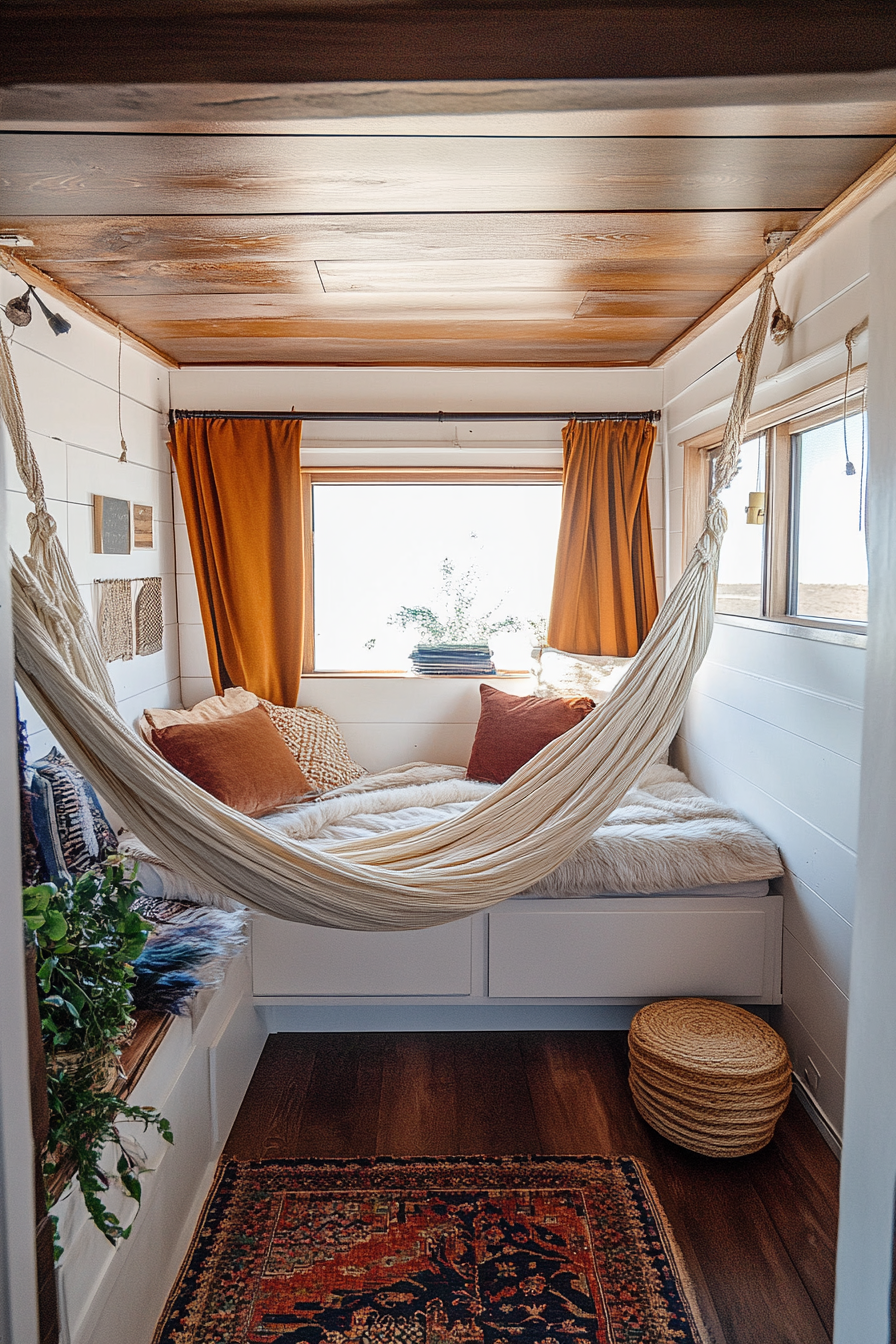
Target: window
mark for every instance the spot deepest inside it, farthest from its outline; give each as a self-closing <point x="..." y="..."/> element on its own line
<point x="739" y="591"/>
<point x="828" y="561"/>
<point x="798" y="554"/>
<point x="401" y="558"/>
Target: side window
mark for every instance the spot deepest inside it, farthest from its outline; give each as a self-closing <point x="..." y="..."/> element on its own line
<point x="742" y="562"/>
<point x="794" y="551"/>
<point x="828" y="562"/>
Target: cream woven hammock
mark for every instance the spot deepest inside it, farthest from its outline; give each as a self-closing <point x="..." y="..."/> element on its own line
<point x="410" y="879"/>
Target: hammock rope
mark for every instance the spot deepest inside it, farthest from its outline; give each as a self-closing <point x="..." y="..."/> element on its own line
<point x="409" y="879"/>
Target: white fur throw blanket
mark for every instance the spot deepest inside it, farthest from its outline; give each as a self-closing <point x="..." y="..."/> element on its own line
<point x="665" y="836"/>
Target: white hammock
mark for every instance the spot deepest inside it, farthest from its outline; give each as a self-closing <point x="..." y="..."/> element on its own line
<point x="410" y="879"/>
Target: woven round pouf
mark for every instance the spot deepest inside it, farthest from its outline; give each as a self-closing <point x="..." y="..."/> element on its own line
<point x="708" y="1075"/>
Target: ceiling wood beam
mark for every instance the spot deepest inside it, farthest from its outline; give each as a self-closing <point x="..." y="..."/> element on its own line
<point x="265" y="41"/>
<point x="692" y="242"/>
<point x="31" y="275"/>
<point x="830" y="104"/>
<point x="848" y="200"/>
<point x="52" y="174"/>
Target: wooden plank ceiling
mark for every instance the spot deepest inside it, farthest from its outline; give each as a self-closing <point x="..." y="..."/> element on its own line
<point x="569" y="233"/>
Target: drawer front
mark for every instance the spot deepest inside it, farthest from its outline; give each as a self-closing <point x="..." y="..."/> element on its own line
<point x="554" y="954"/>
<point x="297" y="959"/>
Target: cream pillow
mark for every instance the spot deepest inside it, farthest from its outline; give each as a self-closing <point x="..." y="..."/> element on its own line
<point x="317" y="744"/>
<point x="567" y="674"/>
<point x="234" y="701"/>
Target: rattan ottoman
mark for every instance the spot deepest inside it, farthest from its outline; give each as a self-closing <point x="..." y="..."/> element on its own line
<point x="708" y="1075"/>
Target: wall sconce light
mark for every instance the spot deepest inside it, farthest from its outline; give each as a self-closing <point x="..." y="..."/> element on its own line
<point x="19" y="312"/>
<point x="755" y="510"/>
<point x="58" y="324"/>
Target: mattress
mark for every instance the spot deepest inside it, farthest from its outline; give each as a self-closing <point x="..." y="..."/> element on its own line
<point x="665" y="838"/>
<point x="758" y="888"/>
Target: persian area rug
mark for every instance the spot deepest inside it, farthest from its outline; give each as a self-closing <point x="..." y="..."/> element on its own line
<point x="444" y="1250"/>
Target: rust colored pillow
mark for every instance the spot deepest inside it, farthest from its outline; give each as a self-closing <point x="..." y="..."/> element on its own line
<point x="512" y="728"/>
<point x="241" y="759"/>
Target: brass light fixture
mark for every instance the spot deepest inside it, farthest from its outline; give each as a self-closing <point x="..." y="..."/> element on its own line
<point x="19" y="312"/>
<point x="755" y="509"/>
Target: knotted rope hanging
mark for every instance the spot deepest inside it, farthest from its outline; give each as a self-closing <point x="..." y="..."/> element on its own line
<point x="410" y="879"/>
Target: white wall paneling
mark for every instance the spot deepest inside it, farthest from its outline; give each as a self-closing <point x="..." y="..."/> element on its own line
<point x="493" y="390"/>
<point x="785" y="754"/>
<point x="69" y="388"/>
<point x="389" y="720"/>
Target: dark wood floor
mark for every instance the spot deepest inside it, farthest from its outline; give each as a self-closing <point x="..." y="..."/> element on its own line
<point x="757" y="1233"/>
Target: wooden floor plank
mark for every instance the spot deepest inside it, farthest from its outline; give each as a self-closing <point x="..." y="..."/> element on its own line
<point x="494" y="1108"/>
<point x="418" y="1110"/>
<point x="756" y="1234"/>
<point x="574" y="1114"/>
<point x="797" y="1181"/>
<point x="341" y="1110"/>
<point x="269" y="1121"/>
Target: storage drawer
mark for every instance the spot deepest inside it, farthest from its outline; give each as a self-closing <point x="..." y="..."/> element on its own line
<point x="301" y="960"/>
<point x="607" y="952"/>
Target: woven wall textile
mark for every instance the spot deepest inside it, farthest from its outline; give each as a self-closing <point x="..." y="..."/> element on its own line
<point x="408" y="879"/>
<point x="116" y="620"/>
<point x="149" y="619"/>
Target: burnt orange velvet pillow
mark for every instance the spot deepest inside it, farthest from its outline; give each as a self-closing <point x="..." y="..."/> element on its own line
<point x="241" y="759"/>
<point x="512" y="728"/>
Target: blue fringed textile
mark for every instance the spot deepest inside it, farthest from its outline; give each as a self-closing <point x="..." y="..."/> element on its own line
<point x="188" y="951"/>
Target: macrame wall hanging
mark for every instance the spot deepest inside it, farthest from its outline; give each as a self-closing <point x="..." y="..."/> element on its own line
<point x="148" y="613"/>
<point x="116" y="620"/>
<point x="119" y="617"/>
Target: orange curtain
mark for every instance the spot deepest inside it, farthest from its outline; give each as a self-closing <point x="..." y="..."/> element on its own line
<point x="604" y="598"/>
<point x="242" y="493"/>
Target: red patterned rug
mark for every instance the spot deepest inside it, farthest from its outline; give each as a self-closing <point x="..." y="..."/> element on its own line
<point x="442" y="1250"/>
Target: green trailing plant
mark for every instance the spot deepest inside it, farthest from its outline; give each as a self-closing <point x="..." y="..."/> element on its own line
<point x="87" y="937"/>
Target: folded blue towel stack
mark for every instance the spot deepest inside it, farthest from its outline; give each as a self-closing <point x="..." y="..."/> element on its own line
<point x="453" y="660"/>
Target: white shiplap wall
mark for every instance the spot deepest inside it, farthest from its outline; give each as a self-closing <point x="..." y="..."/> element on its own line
<point x="387" y="720"/>
<point x="773" y="725"/>
<point x="69" y="387"/>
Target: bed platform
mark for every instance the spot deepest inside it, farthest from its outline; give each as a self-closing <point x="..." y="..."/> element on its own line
<point x="525" y="964"/>
<point x="670" y="897"/>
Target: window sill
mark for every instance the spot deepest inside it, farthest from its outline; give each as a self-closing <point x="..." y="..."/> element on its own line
<point x="852" y="637"/>
<point x="410" y="676"/>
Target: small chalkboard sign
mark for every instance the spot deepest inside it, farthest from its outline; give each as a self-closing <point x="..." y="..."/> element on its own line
<point x="111" y="525"/>
<point x="143" y="527"/>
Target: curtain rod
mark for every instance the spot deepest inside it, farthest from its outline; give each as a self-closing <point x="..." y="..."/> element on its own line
<point x="447" y="417"/>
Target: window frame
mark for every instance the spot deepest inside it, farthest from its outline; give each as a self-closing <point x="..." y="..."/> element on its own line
<point x="779" y="424"/>
<point x="395" y="475"/>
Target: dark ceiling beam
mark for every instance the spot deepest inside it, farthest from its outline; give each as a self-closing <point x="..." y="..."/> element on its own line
<point x="111" y="41"/>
